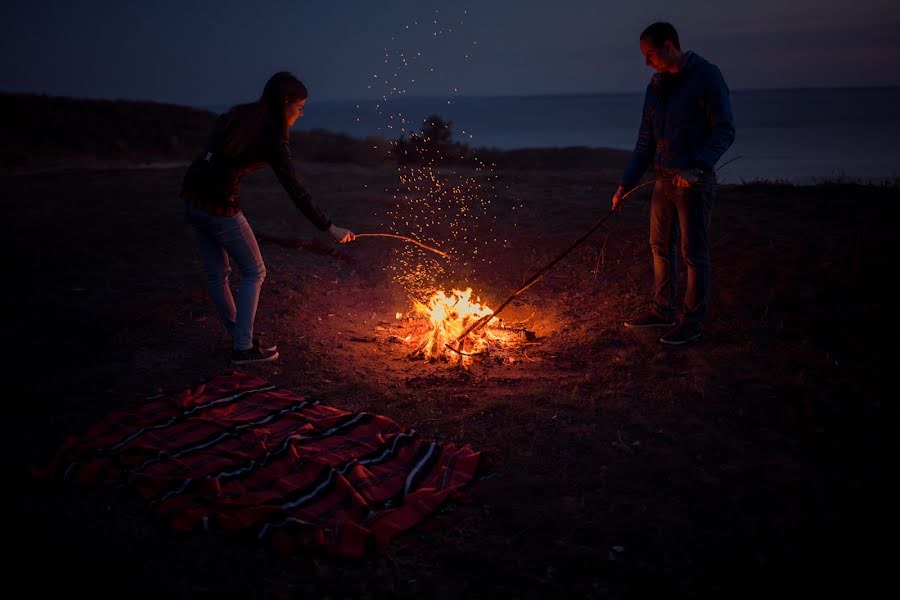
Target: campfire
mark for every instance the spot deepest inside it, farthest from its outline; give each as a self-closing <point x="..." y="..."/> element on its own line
<point x="444" y="317"/>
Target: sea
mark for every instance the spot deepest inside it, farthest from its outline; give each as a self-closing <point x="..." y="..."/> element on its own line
<point x="800" y="136"/>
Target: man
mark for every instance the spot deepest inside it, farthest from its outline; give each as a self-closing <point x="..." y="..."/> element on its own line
<point x="687" y="125"/>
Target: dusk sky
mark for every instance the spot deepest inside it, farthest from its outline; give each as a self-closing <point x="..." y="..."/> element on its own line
<point x="217" y="53"/>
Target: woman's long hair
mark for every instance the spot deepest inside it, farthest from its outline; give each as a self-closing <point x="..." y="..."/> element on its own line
<point x="245" y="121"/>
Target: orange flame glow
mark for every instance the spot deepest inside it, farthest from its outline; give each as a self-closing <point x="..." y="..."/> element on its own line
<point x="449" y="316"/>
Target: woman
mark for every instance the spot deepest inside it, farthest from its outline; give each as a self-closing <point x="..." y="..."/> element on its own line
<point x="245" y="139"/>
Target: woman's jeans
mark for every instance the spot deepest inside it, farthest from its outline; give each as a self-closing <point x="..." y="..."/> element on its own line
<point x="681" y="214"/>
<point x="221" y="238"/>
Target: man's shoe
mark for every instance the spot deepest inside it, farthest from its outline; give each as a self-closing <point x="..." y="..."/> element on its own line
<point x="649" y="319"/>
<point x="253" y="355"/>
<point x="682" y="334"/>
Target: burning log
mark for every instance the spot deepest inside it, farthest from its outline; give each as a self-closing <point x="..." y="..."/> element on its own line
<point x="447" y="316"/>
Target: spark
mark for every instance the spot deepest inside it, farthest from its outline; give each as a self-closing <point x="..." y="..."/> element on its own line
<point x="434" y="205"/>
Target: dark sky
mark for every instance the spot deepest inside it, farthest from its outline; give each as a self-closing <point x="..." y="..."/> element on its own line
<point x="215" y="53"/>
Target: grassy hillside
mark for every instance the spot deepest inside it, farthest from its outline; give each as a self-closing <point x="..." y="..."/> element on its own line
<point x="40" y="130"/>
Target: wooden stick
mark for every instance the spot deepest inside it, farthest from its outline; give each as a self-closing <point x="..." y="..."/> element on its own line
<point x="534" y="278"/>
<point x="404" y="238"/>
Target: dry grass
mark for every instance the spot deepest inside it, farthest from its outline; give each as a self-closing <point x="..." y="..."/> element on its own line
<point x="751" y="463"/>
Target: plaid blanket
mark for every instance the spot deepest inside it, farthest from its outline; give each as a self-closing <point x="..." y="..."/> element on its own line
<point x="237" y="455"/>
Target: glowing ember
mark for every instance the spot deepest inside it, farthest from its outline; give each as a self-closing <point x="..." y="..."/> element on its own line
<point x="448" y="317"/>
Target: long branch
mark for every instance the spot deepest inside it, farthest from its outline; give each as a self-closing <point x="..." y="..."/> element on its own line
<point x="404" y="238"/>
<point x="534" y="278"/>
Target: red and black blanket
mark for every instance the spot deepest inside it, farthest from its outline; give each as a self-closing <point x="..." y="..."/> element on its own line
<point x="237" y="455"/>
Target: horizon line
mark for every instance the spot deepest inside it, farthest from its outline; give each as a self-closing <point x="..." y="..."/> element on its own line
<point x="621" y="93"/>
<point x="462" y="96"/>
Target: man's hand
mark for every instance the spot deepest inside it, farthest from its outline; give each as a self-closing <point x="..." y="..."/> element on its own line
<point x="618" y="197"/>
<point x="341" y="235"/>
<point x="686" y="178"/>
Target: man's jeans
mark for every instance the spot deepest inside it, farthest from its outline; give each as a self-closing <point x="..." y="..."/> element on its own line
<point x="681" y="213"/>
<point x="219" y="238"/>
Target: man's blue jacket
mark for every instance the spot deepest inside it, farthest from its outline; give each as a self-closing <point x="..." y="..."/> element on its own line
<point x="687" y="121"/>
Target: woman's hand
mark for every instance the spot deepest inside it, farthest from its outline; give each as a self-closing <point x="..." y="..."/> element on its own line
<point x="341" y="235"/>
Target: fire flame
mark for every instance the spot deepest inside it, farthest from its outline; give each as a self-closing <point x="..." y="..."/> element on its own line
<point x="449" y="316"/>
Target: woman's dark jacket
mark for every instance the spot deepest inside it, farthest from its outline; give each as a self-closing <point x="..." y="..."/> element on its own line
<point x="213" y="181"/>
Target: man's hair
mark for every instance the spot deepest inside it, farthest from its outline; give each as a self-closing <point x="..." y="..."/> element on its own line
<point x="660" y="33"/>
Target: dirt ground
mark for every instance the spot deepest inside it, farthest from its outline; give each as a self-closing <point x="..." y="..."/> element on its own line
<point x="753" y="462"/>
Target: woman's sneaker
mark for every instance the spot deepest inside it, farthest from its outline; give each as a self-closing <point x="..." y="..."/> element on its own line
<point x="265" y="346"/>
<point x="261" y="344"/>
<point x="252" y="355"/>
